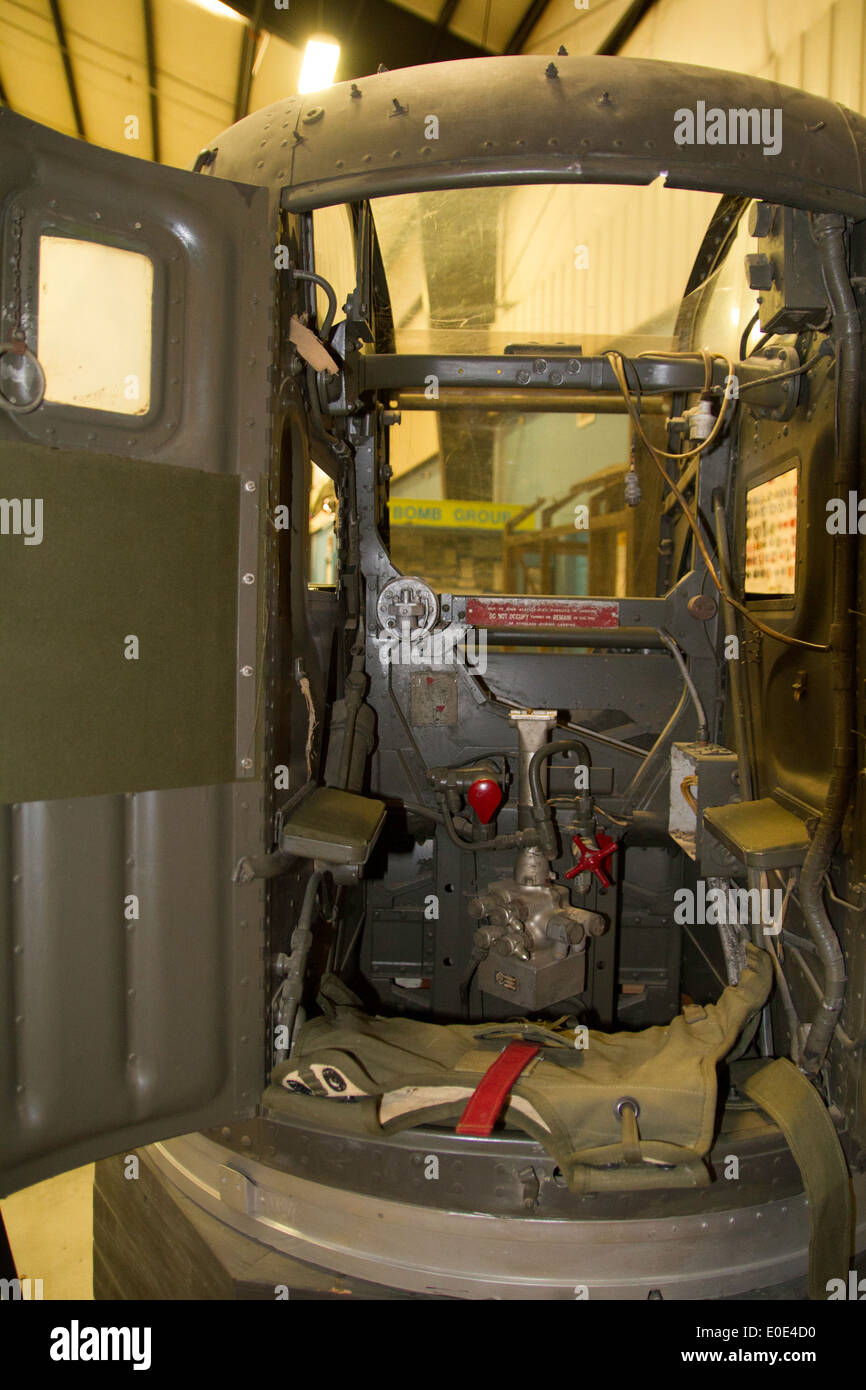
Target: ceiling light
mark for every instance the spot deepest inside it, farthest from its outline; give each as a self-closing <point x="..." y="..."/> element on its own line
<point x="218" y="8"/>
<point x="319" y="65"/>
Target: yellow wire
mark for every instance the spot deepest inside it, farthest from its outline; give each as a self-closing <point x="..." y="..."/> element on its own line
<point x="616" y="361"/>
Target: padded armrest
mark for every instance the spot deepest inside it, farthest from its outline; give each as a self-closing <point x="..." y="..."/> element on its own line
<point x="762" y="834"/>
<point x="334" y="826"/>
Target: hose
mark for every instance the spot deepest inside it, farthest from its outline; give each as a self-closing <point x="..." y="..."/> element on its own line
<point x="549" y="750"/>
<point x="330" y="294"/>
<point x="827" y="230"/>
<point x="744" y="340"/>
<point x="427" y="812"/>
<point x="542" y="814"/>
<point x="518" y="839"/>
<point x="302" y="940"/>
<point x="848" y="1043"/>
<point x="354" y="690"/>
<point x="741" y="742"/>
<point x="787" y="999"/>
<point x="701" y="735"/>
<point x="355" y="685"/>
<point x="655" y="765"/>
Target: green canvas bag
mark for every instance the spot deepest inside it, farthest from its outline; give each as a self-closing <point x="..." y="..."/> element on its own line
<point x="381" y="1075"/>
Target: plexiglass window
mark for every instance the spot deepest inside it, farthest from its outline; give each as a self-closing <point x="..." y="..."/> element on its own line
<point x="322" y="526"/>
<point x="335" y="255"/>
<point x="526" y="500"/>
<point x="95" y="325"/>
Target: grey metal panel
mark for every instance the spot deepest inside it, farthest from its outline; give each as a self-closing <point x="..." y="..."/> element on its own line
<point x="597" y="120"/>
<point x="647" y="687"/>
<point x="114" y="1029"/>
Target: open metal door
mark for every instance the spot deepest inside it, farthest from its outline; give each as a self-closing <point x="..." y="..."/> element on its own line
<point x="130" y="648"/>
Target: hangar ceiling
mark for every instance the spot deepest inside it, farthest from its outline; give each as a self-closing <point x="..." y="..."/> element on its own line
<point x="160" y="78"/>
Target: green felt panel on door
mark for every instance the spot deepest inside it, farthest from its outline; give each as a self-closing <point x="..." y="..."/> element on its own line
<point x="127" y="549"/>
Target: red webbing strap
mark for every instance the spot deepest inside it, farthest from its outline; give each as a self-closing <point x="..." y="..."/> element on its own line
<point x="482" y="1109"/>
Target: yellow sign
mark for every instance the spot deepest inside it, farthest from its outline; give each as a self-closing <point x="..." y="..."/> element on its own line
<point x="477" y="516"/>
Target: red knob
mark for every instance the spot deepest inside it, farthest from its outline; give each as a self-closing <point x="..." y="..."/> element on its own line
<point x="593" y="859"/>
<point x="484" y="797"/>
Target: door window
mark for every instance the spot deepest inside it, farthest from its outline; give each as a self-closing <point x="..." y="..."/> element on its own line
<point x="95" y="325"/>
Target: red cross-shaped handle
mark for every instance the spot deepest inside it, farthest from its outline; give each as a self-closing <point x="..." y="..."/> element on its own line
<point x="593" y="859"/>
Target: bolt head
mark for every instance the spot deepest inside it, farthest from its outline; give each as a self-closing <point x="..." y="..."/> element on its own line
<point x="702" y="607"/>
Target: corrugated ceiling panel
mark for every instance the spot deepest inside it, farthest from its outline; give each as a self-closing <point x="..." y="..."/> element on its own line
<point x="653" y="231"/>
<point x="428" y="9"/>
<point x="581" y="31"/>
<point x="188" y="121"/>
<point x="816" y="56"/>
<point x="277" y="75"/>
<point x="470" y="19"/>
<point x="753" y="33"/>
<point x="203" y="49"/>
<point x="488" y="22"/>
<point x="198" y="58"/>
<point x="109" y="59"/>
<point x="31" y="66"/>
<point x="690" y="31"/>
<point x="770" y="70"/>
<point x="783" y="19"/>
<point x="789" y="63"/>
<point x="847" y="56"/>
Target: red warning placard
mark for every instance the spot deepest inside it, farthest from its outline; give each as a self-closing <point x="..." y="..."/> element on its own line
<point x="541" y="612"/>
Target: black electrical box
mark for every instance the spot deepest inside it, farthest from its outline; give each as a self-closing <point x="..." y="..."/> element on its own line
<point x="786" y="270"/>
